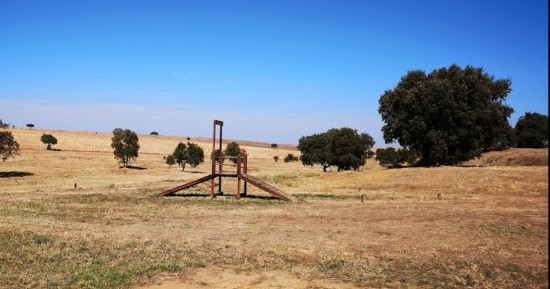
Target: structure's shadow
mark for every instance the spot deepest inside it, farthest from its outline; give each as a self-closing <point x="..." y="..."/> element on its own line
<point x="225" y="196"/>
<point x="15" y="174"/>
<point x="133" y="168"/>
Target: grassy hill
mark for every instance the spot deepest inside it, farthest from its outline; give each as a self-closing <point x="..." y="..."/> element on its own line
<point x="479" y="226"/>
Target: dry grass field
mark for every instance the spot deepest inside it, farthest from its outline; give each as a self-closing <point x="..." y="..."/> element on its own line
<point x="487" y="229"/>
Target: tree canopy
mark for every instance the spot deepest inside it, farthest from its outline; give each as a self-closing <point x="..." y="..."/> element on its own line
<point x="170" y="160"/>
<point x="232" y="150"/>
<point x="448" y="116"/>
<point x="8" y="145"/>
<point x="48" y="140"/>
<point x="195" y="154"/>
<point x="3" y="124"/>
<point x="532" y="130"/>
<point x="343" y="148"/>
<point x="125" y="144"/>
<point x="191" y="154"/>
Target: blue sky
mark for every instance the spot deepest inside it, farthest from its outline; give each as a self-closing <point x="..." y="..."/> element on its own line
<point x="273" y="71"/>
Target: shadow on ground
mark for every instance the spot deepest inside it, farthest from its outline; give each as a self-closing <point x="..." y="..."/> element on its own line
<point x="15" y="174"/>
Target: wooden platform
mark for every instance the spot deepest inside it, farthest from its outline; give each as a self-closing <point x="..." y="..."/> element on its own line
<point x="245" y="177"/>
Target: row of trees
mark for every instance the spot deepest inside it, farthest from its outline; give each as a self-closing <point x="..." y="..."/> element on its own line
<point x="446" y="117"/>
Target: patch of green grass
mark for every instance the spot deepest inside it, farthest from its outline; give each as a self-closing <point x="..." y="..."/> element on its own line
<point x="31" y="260"/>
<point x="383" y="233"/>
<point x="34" y="209"/>
<point x="331" y="266"/>
<point x="433" y="272"/>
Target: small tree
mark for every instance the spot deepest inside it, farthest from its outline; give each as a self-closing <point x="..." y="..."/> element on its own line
<point x="291" y="158"/>
<point x="170" y="160"/>
<point x="191" y="154"/>
<point x="154" y="133"/>
<point x="125" y="145"/>
<point x="3" y="124"/>
<point x="387" y="157"/>
<point x="195" y="154"/>
<point x="30" y="125"/>
<point x="48" y="140"/>
<point x="276" y="158"/>
<point x="232" y="150"/>
<point x="217" y="153"/>
<point x="274" y="146"/>
<point x="390" y="157"/>
<point x="180" y="155"/>
<point x="8" y="146"/>
<point x="343" y="148"/>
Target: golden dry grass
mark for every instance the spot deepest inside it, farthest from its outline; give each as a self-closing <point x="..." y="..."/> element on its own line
<point x="488" y="228"/>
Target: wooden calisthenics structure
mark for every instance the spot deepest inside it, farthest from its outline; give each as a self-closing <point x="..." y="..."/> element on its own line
<point x="218" y="172"/>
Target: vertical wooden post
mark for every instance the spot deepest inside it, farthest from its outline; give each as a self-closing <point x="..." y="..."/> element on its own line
<point x="238" y="175"/>
<point x="221" y="158"/>
<point x="213" y="159"/>
<point x="213" y="173"/>
<point x="245" y="169"/>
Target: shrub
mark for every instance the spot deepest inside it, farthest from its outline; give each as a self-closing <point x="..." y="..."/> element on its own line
<point x="291" y="158"/>
<point x="170" y="160"/>
<point x="48" y="140"/>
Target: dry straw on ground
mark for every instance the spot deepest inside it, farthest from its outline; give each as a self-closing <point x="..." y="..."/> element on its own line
<point x="487" y="229"/>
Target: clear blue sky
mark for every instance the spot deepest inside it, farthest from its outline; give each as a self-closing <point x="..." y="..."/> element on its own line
<point x="272" y="70"/>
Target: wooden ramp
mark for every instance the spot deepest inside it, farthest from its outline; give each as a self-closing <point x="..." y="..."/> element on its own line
<point x="188" y="185"/>
<point x="266" y="187"/>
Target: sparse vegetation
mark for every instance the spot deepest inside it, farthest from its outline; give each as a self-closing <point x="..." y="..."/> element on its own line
<point x="276" y="158"/>
<point x="291" y="158"/>
<point x="115" y="232"/>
